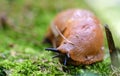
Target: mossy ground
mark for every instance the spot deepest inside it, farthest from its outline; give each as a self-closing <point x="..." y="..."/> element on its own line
<point x="21" y="50"/>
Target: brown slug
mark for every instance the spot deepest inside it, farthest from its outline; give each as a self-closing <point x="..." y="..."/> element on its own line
<point x="77" y="37"/>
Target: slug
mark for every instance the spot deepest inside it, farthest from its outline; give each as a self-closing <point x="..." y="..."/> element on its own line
<point x="77" y="37"/>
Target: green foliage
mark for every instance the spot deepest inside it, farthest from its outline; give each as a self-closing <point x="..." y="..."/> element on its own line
<point x="21" y="50"/>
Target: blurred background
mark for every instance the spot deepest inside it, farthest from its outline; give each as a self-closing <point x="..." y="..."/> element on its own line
<point x="23" y="24"/>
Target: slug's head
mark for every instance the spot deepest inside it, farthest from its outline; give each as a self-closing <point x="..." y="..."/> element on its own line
<point x="63" y="52"/>
<point x="63" y="57"/>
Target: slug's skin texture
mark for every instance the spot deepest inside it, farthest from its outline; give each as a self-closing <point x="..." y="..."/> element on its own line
<point x="83" y="36"/>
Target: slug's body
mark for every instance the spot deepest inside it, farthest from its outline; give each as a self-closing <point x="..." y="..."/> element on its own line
<point x="77" y="35"/>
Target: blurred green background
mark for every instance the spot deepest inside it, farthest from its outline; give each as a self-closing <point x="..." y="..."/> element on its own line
<point x="25" y="24"/>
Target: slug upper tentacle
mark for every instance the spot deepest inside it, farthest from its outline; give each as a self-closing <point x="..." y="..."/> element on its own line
<point x="52" y="49"/>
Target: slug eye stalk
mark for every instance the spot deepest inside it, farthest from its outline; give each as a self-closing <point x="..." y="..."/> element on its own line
<point x="52" y="49"/>
<point x="113" y="51"/>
